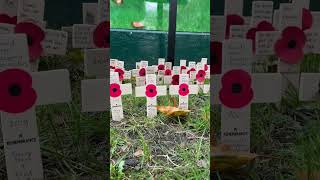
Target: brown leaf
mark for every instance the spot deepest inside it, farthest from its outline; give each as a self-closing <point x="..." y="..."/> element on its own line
<point x="138" y="25"/>
<point x="118" y="2"/>
<point x="173" y="111"/>
<point x="225" y="159"/>
<point x="138" y="153"/>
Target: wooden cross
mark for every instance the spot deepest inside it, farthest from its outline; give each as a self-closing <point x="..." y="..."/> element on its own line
<point x="236" y="89"/>
<point x="54" y="41"/>
<point x="140" y="73"/>
<point x="21" y="91"/>
<point x="151" y="91"/>
<point x="117" y="90"/>
<point x="95" y="62"/>
<point x="86" y="36"/>
<point x="94" y="92"/>
<point x="183" y="90"/>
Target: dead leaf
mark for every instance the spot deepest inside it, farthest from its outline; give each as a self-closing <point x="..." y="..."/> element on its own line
<point x="173" y="111"/>
<point x="118" y="2"/>
<point x="137" y="24"/>
<point x="138" y="153"/>
<point x="225" y="159"/>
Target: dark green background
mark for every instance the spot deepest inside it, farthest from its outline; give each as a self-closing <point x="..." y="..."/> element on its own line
<point x="64" y="12"/>
<point x="133" y="45"/>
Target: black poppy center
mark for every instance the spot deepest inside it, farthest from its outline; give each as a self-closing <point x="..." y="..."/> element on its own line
<point x="236" y="88"/>
<point x="292" y="44"/>
<point x="201" y="75"/>
<point x="30" y="40"/>
<point x="114" y="90"/>
<point x="184" y="89"/>
<point x="151" y="90"/>
<point x="15" y="90"/>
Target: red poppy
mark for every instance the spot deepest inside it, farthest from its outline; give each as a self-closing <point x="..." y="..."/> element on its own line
<point x="233" y="19"/>
<point x="120" y="72"/>
<point x="192" y="69"/>
<point x="16" y="92"/>
<point x="101" y="35"/>
<point x="35" y="36"/>
<point x="115" y="90"/>
<point x="151" y="91"/>
<point x="205" y="67"/>
<point x="216" y="57"/>
<point x="201" y="75"/>
<point x="175" y="79"/>
<point x="161" y="67"/>
<point x="142" y="72"/>
<point x="183" y="89"/>
<point x="307" y="19"/>
<point x="236" y="91"/>
<point x="112" y="67"/>
<point x="167" y="72"/>
<point x="289" y="48"/>
<point x="262" y="26"/>
<point x="182" y="67"/>
<point x="4" y="18"/>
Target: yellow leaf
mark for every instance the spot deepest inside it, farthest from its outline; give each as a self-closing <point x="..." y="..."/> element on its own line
<point x="173" y="111"/>
<point x="225" y="160"/>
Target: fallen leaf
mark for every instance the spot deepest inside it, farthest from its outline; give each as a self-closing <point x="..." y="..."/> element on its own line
<point x="173" y="111"/>
<point x="138" y="25"/>
<point x="138" y="153"/>
<point x="118" y="2"/>
<point x="225" y="159"/>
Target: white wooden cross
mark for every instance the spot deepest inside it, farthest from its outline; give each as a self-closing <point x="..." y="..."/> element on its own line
<point x="236" y="89"/>
<point x="140" y="73"/>
<point x="183" y="90"/>
<point x="54" y="42"/>
<point x="151" y="91"/>
<point x="309" y="87"/>
<point x="21" y="92"/>
<point x="96" y="62"/>
<point x="206" y="73"/>
<point x="117" y="90"/>
<point x="83" y="34"/>
<point x="89" y="13"/>
<point x="94" y="92"/>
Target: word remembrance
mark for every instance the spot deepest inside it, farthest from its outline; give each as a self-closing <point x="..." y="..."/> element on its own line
<point x="242" y="49"/>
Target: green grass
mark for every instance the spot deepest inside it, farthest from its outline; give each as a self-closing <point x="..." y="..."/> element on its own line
<point x="286" y="136"/>
<point x="172" y="148"/>
<point x="192" y="15"/>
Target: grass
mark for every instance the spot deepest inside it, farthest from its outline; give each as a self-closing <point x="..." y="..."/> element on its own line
<point x="286" y="136"/>
<point x="192" y="15"/>
<point x="172" y="148"/>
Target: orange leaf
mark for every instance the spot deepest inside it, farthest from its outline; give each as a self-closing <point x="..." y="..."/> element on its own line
<point x="138" y="25"/>
<point x="225" y="160"/>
